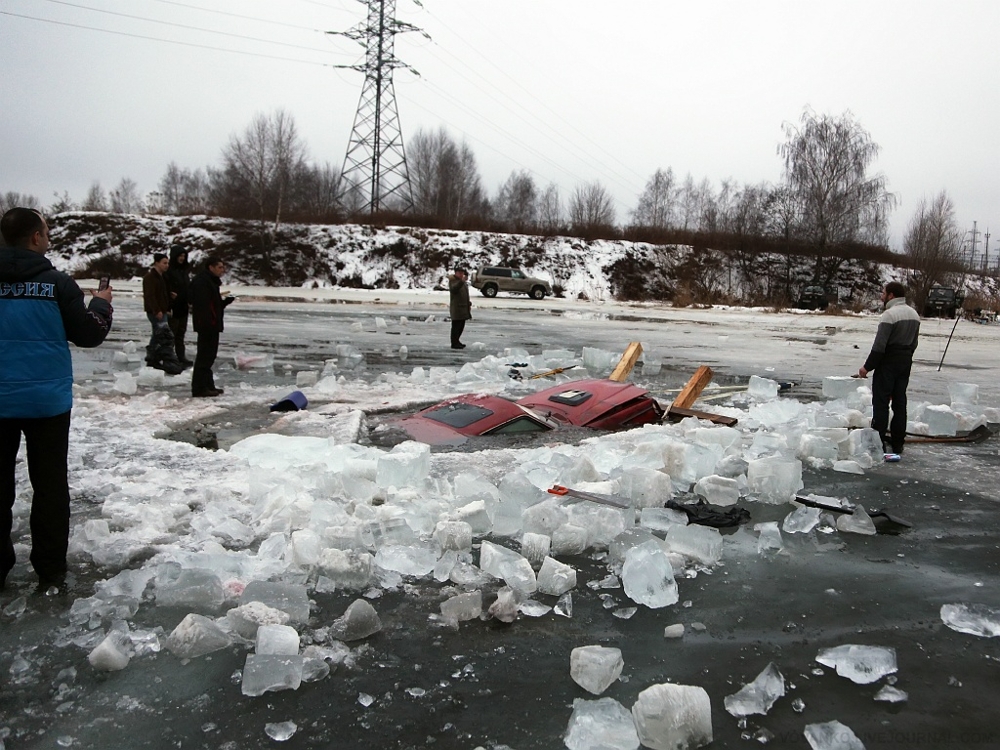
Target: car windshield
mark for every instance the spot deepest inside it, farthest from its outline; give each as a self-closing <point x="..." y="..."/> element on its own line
<point x="458" y="414"/>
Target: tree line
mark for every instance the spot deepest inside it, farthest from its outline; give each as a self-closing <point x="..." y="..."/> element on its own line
<point x="829" y="204"/>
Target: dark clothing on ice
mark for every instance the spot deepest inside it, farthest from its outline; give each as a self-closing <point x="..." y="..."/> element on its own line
<point x="178" y="282"/>
<point x="459" y="308"/>
<point x="155" y="298"/>
<point x="41" y="312"/>
<point x="891" y="358"/>
<point x="207" y="312"/>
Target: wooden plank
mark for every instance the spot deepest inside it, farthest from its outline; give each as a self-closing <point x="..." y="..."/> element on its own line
<point x="624" y="367"/>
<point x="677" y="413"/>
<point x="702" y="377"/>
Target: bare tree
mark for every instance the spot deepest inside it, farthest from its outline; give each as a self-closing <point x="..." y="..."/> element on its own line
<point x="12" y="199"/>
<point x="591" y="208"/>
<point x="550" y="212"/>
<point x="657" y="207"/>
<point x="316" y="192"/>
<point x="933" y="243"/>
<point x="444" y="178"/>
<point x="63" y="203"/>
<point x="125" y="198"/>
<point x="170" y="188"/>
<point x="516" y="205"/>
<point x="260" y="164"/>
<point x="96" y="199"/>
<point x="688" y="204"/>
<point x="827" y="162"/>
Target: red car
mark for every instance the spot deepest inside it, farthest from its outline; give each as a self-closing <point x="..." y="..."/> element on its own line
<point x="598" y="404"/>
<point x="454" y="420"/>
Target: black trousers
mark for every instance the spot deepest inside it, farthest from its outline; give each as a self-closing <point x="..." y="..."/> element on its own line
<point x="46" y="440"/>
<point x="457" y="327"/>
<point x="208" y="349"/>
<point x="889" y="386"/>
<point x="179" y="326"/>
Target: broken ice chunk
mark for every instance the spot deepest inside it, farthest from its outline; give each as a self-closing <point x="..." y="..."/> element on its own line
<point x="409" y="560"/>
<point x="832" y="735"/>
<point x="263" y="673"/>
<point x="595" y="668"/>
<point x="245" y="619"/>
<point x="858" y="522"/>
<point x="974" y="619"/>
<point x="840" y="386"/>
<point x="196" y="635"/>
<point x="801" y="520"/>
<point x="774" y="479"/>
<point x="289" y="598"/>
<point x="531" y="608"/>
<point x="194" y="589"/>
<point x="860" y="664"/>
<point x="569" y="539"/>
<point x="700" y="543"/>
<point x="564" y="607"/>
<point x="351" y="569"/>
<point x="535" y="547"/>
<point x="941" y="420"/>
<point x="758" y="696"/>
<point x="669" y="716"/>
<point x="110" y="655"/>
<point x="555" y="578"/>
<point x="280" y="640"/>
<point x="648" y="577"/>
<point x="674" y="631"/>
<point x="718" y="490"/>
<point x="463" y="606"/>
<point x="762" y="389"/>
<point x="604" y="723"/>
<point x="890" y="694"/>
<point x="509" y="566"/>
<point x="770" y="537"/>
<point x="453" y="535"/>
<point x="505" y="607"/>
<point x="359" y="621"/>
<point x="281" y="730"/>
<point x="661" y="519"/>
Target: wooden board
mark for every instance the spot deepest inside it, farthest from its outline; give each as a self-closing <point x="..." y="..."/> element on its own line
<point x="624" y="367"/>
<point x="702" y="377"/>
<point x="677" y="413"/>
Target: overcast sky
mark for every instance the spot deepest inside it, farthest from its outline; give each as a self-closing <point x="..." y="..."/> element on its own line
<point x="572" y="90"/>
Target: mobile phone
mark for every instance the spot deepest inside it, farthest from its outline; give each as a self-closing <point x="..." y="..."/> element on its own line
<point x="104" y="283"/>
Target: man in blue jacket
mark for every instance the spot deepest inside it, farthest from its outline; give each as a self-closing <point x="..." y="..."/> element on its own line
<point x="41" y="311"/>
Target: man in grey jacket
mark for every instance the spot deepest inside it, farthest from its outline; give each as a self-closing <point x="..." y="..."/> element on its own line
<point x="459" y="307"/>
<point x="890" y="359"/>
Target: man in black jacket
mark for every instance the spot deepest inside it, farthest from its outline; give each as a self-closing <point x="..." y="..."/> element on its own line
<point x="178" y="280"/>
<point x="41" y="310"/>
<point x="207" y="309"/>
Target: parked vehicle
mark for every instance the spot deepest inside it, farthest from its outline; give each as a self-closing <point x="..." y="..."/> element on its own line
<point x="943" y="302"/>
<point x="816" y="297"/>
<point x="493" y="279"/>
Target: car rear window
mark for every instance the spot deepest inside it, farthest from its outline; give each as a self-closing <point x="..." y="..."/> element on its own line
<point x="521" y="424"/>
<point x="458" y="414"/>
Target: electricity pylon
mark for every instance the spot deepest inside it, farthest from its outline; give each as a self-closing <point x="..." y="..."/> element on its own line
<point x="375" y="163"/>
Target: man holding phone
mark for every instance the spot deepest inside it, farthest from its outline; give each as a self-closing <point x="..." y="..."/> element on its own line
<point x="41" y="311"/>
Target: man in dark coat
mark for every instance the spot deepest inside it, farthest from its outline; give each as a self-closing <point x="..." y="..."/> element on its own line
<point x="178" y="280"/>
<point x="156" y="302"/>
<point x="41" y="311"/>
<point x="460" y="307"/>
<point x="207" y="310"/>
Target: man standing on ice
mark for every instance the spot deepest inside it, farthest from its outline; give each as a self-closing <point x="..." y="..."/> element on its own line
<point x="207" y="308"/>
<point x="41" y="310"/>
<point x="460" y="307"/>
<point x="891" y="358"/>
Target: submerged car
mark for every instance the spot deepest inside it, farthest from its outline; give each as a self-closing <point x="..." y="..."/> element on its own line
<point x="456" y="419"/>
<point x="597" y="404"/>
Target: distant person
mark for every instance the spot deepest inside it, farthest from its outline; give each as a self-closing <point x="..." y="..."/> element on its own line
<point x="890" y="359"/>
<point x="460" y="307"/>
<point x="41" y="310"/>
<point x="178" y="278"/>
<point x="207" y="310"/>
<point x="156" y="302"/>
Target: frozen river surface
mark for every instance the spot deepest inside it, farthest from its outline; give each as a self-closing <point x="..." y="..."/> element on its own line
<point x="144" y="502"/>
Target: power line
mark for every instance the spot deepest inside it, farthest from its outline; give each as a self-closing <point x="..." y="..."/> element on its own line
<point x="238" y="15"/>
<point x="167" y="41"/>
<point x="185" y="26"/>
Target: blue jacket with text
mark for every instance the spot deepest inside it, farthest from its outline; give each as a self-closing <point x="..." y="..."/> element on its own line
<point x="41" y="311"/>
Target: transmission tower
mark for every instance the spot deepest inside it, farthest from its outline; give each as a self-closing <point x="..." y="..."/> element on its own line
<point x="375" y="164"/>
